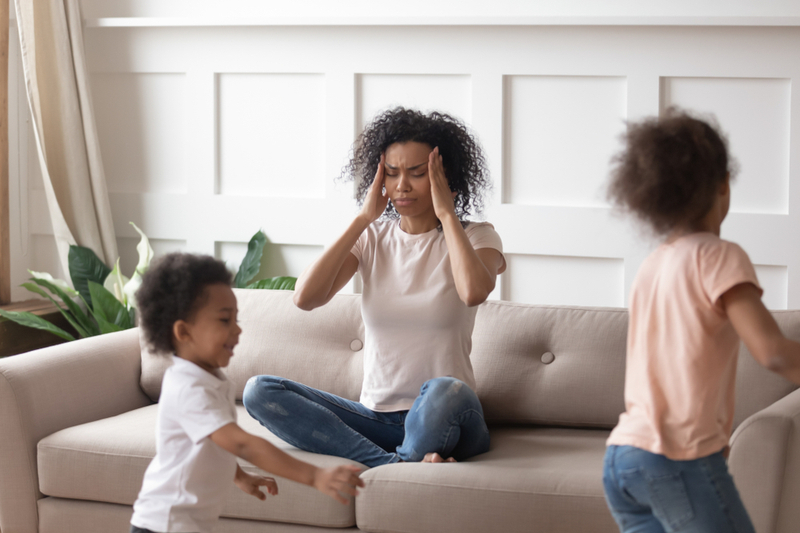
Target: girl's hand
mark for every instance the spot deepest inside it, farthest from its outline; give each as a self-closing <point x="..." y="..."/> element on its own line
<point x="337" y="481"/>
<point x="249" y="484"/>
<point x="441" y="194"/>
<point x="376" y="201"/>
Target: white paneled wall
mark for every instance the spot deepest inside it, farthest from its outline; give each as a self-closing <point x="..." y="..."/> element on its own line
<point x="213" y="128"/>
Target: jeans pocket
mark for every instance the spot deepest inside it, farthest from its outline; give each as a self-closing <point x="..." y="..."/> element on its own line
<point x="669" y="500"/>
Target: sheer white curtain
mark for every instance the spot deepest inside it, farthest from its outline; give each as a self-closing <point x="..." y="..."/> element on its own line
<point x="51" y="39"/>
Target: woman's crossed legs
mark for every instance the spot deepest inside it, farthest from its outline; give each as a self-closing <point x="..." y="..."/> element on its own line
<point x="446" y="418"/>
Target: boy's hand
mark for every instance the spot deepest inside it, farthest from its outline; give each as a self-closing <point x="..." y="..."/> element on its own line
<point x="337" y="481"/>
<point x="249" y="484"/>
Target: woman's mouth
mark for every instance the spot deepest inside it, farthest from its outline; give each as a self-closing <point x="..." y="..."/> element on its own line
<point x="403" y="202"/>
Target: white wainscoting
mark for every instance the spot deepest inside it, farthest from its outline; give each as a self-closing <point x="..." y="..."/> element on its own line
<point x="211" y="129"/>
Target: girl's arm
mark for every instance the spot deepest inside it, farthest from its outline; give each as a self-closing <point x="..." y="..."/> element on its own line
<point x="474" y="271"/>
<point x="759" y="331"/>
<point x="330" y="481"/>
<point x="328" y="274"/>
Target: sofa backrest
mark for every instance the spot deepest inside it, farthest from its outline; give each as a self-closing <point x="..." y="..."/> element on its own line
<point x="533" y="364"/>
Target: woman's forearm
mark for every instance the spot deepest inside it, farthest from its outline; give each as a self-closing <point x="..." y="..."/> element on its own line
<point x="474" y="282"/>
<point x="320" y="281"/>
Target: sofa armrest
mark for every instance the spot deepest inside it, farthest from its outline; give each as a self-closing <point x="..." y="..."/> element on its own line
<point x="765" y="463"/>
<point x="47" y="390"/>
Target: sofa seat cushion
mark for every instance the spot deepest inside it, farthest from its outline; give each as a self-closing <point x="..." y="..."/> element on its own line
<point x="532" y="479"/>
<point x="105" y="461"/>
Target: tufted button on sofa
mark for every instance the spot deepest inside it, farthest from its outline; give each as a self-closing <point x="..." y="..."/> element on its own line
<point x="77" y="427"/>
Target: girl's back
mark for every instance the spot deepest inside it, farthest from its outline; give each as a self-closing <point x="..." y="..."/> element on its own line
<point x="682" y="348"/>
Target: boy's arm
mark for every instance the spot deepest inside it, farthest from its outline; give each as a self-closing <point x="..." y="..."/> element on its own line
<point x="249" y="484"/>
<point x="760" y="333"/>
<point x="330" y="481"/>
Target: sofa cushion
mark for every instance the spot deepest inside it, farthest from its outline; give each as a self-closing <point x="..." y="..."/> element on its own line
<point x="105" y="461"/>
<point x="532" y="479"/>
<point x="579" y="384"/>
<point x="320" y="348"/>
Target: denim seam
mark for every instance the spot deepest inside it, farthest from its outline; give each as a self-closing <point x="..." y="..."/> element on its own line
<point x="374" y="418"/>
<point x="714" y="479"/>
<point x="332" y="413"/>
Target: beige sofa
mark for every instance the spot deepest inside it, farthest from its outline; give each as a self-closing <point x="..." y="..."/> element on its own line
<point x="77" y="424"/>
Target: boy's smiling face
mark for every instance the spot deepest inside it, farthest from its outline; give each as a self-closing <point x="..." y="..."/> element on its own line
<point x="207" y="340"/>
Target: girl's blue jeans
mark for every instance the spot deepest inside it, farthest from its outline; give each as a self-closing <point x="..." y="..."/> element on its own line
<point x="446" y="418"/>
<point x="648" y="493"/>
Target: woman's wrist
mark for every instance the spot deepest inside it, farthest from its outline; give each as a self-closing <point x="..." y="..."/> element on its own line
<point x="363" y="221"/>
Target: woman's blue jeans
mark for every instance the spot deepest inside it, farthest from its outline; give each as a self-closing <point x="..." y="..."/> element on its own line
<point x="648" y="493"/>
<point x="446" y="418"/>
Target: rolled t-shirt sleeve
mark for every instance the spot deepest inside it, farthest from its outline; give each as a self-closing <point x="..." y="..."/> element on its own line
<point x="202" y="411"/>
<point x="483" y="235"/>
<point x="723" y="266"/>
<point x="359" y="248"/>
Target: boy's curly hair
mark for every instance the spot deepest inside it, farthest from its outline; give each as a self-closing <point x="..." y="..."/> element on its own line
<point x="670" y="169"/>
<point x="174" y="288"/>
<point x="462" y="157"/>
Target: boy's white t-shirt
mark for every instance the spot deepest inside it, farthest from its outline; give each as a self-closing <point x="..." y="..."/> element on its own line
<point x="185" y="485"/>
<point x="417" y="328"/>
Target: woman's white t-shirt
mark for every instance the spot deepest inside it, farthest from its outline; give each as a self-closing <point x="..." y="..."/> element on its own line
<point x="417" y="328"/>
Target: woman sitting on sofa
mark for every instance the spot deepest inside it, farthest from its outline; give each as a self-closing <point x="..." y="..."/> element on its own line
<point x="425" y="268"/>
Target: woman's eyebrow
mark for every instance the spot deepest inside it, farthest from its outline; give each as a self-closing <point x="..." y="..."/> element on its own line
<point x="409" y="168"/>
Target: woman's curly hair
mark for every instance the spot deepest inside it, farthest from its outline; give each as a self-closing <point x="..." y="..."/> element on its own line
<point x="670" y="170"/>
<point x="462" y="157"/>
<point x="174" y="288"/>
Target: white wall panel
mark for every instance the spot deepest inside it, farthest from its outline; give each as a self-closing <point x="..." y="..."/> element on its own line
<point x="140" y="121"/>
<point x="287" y="259"/>
<point x="213" y="127"/>
<point x="448" y="93"/>
<point x="557" y="280"/>
<point x="755" y="114"/>
<point x="560" y="132"/>
<point x="774" y="279"/>
<point x="271" y="135"/>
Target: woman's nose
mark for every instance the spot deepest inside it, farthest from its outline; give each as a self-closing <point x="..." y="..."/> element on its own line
<point x="403" y="184"/>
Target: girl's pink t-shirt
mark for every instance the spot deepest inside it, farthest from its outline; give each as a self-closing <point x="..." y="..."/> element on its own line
<point x="680" y="373"/>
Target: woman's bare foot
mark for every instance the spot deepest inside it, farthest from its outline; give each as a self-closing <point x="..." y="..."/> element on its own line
<point x="434" y="457"/>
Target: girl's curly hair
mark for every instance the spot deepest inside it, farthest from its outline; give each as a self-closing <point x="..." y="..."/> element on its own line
<point x="670" y="169"/>
<point x="462" y="157"/>
<point x="172" y="289"/>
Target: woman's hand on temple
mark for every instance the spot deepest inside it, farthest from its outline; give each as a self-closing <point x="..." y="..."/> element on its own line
<point x="376" y="201"/>
<point x="441" y="194"/>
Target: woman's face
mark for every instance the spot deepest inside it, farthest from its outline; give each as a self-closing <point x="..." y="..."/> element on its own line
<point x="406" y="179"/>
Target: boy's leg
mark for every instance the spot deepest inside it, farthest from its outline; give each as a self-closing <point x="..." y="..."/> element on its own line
<point x="320" y="422"/>
<point x="696" y="496"/>
<point x="446" y="418"/>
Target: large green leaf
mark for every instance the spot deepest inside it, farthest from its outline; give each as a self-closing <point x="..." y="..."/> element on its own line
<point x="108" y="310"/>
<point x="281" y="283"/>
<point x="85" y="266"/>
<point x="251" y="263"/>
<point x="73" y="307"/>
<point x="82" y="332"/>
<point x="29" y="320"/>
